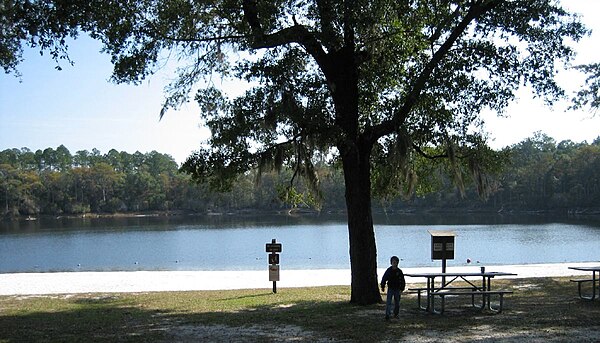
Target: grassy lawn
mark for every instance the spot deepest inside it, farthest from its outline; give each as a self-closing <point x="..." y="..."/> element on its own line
<point x="540" y="310"/>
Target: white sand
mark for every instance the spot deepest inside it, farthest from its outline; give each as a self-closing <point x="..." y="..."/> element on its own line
<point x="148" y="281"/>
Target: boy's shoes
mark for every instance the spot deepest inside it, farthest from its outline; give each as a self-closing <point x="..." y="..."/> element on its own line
<point x="396" y="316"/>
<point x="387" y="318"/>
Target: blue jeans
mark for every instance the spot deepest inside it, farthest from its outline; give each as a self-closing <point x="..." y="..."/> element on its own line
<point x="395" y="294"/>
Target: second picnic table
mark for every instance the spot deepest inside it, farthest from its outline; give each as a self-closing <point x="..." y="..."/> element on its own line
<point x="473" y="289"/>
<point x="594" y="280"/>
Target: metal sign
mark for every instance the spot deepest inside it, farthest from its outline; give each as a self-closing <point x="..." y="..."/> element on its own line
<point x="273" y="247"/>
<point x="273" y="258"/>
<point x="274" y="274"/>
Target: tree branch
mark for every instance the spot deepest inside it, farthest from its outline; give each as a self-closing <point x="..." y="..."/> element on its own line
<point x="477" y="9"/>
<point x="434" y="157"/>
<point x="199" y="39"/>
<point x="424" y="154"/>
<point x="251" y="16"/>
<point x="327" y="20"/>
<point x="438" y="32"/>
<point x="294" y="34"/>
<point x="349" y="40"/>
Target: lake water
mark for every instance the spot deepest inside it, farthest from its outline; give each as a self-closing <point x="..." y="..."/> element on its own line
<point x="309" y="242"/>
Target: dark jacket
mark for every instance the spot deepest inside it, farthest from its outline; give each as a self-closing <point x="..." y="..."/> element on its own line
<point x="394" y="279"/>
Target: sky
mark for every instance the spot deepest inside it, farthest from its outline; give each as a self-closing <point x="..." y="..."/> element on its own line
<point x="79" y="108"/>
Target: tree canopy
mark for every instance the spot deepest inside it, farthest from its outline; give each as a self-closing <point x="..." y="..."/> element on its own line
<point x="366" y="84"/>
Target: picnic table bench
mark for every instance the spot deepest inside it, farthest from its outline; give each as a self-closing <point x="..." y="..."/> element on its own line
<point x="444" y="289"/>
<point x="420" y="290"/>
<point x="594" y="282"/>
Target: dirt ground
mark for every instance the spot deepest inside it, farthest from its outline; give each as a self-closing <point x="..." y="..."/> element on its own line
<point x="539" y="310"/>
<point x="554" y="317"/>
<point x="483" y="334"/>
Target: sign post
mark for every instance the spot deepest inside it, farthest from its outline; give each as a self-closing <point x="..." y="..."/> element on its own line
<point x="273" y="248"/>
<point x="442" y="247"/>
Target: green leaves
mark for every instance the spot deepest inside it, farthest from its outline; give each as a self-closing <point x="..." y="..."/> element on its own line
<point x="589" y="96"/>
<point x="398" y="81"/>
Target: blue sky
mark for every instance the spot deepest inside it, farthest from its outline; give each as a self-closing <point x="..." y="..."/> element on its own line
<point x="79" y="108"/>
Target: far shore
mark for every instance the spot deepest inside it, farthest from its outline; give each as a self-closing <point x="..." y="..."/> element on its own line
<point x="588" y="212"/>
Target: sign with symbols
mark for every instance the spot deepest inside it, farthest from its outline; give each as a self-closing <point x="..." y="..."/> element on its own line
<point x="273" y="247"/>
<point x="273" y="272"/>
<point x="273" y="258"/>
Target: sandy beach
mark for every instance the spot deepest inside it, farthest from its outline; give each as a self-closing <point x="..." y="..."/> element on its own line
<point x="152" y="281"/>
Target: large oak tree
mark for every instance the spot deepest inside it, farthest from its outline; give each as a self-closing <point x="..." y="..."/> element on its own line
<point x="367" y="83"/>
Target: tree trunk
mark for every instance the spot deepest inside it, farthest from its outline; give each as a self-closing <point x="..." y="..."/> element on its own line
<point x="355" y="152"/>
<point x="363" y="252"/>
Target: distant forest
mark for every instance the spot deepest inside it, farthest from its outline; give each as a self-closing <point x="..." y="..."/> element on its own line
<point x="540" y="175"/>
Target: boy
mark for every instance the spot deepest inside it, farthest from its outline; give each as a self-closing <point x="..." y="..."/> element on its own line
<point x="396" y="284"/>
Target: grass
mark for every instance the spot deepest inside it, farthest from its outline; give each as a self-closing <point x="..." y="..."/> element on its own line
<point x="541" y="308"/>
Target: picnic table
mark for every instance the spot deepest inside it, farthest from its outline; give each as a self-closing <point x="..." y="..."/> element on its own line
<point x="594" y="281"/>
<point x="473" y="289"/>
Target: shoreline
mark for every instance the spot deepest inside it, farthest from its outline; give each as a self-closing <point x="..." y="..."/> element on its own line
<point x="170" y="281"/>
<point x="592" y="212"/>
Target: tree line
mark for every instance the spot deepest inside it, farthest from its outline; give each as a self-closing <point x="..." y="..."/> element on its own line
<point x="56" y="182"/>
<point x="539" y="175"/>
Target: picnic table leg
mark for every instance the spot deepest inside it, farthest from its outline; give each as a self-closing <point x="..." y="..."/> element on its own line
<point x="583" y="296"/>
<point x="500" y="305"/>
<point x="419" y="300"/>
<point x="485" y="287"/>
<point x="489" y="296"/>
<point x="594" y="281"/>
<point x="430" y="288"/>
<point x="486" y="301"/>
<point x="431" y="297"/>
<point x="442" y="306"/>
<point x="479" y="306"/>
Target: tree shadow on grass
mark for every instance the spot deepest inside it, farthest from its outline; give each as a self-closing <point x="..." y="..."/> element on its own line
<point x="248" y="296"/>
<point x="110" y="320"/>
<point x="83" y="321"/>
<point x="544" y="308"/>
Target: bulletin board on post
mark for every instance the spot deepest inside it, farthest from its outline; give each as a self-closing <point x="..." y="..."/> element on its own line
<point x="442" y="244"/>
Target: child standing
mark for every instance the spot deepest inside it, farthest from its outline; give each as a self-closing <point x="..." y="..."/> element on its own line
<point x="394" y="278"/>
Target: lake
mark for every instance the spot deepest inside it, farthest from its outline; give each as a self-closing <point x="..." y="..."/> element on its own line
<point x="309" y="241"/>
